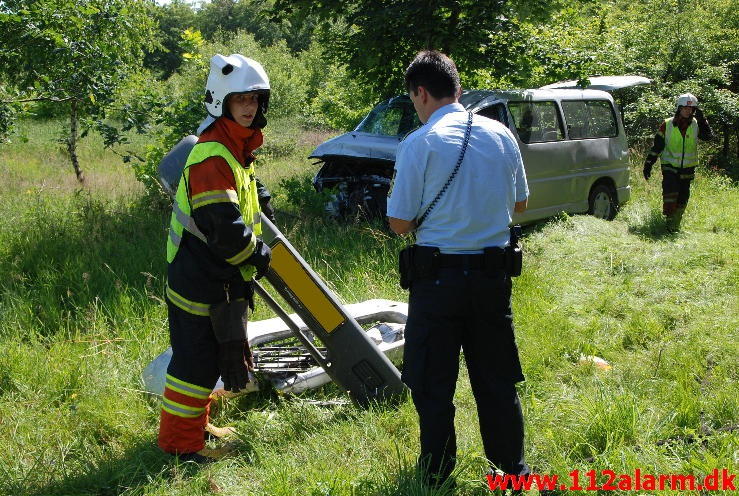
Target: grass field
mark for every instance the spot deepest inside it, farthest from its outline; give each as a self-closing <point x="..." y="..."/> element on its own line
<point x="82" y="313"/>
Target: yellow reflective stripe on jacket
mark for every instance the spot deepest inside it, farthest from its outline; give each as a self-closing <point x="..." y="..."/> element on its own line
<point x="240" y="257"/>
<point x="186" y="388"/>
<point x="215" y="196"/>
<point x="202" y="309"/>
<point x="181" y="410"/>
<point x="680" y="151"/>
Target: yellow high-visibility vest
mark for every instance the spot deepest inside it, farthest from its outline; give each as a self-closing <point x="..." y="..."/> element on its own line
<point x="245" y="197"/>
<point x="680" y="151"/>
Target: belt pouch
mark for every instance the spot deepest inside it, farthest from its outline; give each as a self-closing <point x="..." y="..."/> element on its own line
<point x="514" y="259"/>
<point x="405" y="265"/>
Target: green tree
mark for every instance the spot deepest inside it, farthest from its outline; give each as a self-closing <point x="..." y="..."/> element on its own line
<point x="377" y="38"/>
<point x="175" y="106"/>
<point x="173" y="19"/>
<point x="74" y="53"/>
<point x="255" y="17"/>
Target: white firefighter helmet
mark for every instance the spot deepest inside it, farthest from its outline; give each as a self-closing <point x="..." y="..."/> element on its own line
<point x="234" y="74"/>
<point x="686" y="100"/>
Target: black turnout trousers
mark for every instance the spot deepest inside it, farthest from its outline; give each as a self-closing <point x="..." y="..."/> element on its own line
<point x="194" y="348"/>
<point x="468" y="310"/>
<point x="676" y="186"/>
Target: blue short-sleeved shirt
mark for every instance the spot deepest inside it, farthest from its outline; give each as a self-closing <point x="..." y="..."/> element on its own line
<point x="476" y="209"/>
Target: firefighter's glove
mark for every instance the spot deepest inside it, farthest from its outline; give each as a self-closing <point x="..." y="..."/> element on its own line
<point x="234" y="363"/>
<point x="699" y="115"/>
<point x="260" y="259"/>
<point x="647" y="170"/>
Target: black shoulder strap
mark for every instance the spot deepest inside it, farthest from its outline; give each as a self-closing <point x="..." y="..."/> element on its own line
<point x="452" y="175"/>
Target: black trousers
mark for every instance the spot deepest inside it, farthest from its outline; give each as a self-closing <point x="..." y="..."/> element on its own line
<point x="470" y="311"/>
<point x="676" y="189"/>
<point x="194" y="348"/>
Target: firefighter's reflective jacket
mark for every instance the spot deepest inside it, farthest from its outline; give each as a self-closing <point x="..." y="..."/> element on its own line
<point x="215" y="218"/>
<point x="676" y="143"/>
<point x="680" y="151"/>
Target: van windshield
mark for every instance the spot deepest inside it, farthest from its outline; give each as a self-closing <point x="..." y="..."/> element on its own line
<point x="395" y="117"/>
<point x="537" y="122"/>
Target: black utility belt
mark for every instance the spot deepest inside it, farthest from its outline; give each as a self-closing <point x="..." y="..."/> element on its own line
<point x="493" y="258"/>
<point x="419" y="262"/>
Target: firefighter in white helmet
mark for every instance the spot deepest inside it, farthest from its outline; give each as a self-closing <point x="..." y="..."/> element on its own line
<point x="676" y="145"/>
<point x="214" y="251"/>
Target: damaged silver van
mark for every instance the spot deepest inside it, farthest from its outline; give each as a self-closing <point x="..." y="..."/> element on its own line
<point x="572" y="142"/>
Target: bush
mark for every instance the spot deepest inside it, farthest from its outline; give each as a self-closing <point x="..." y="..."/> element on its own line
<point x="302" y="195"/>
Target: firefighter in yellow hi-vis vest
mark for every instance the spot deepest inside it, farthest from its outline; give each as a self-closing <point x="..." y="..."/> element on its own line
<point x="676" y="145"/>
<point x="214" y="251"/>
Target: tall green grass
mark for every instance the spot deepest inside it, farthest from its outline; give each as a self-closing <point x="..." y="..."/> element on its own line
<point x="82" y="313"/>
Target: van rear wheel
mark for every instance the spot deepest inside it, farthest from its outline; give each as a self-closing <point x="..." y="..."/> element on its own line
<point x="602" y="202"/>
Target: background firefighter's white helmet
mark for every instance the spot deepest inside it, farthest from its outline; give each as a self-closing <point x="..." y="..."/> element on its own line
<point x="235" y="74"/>
<point x="686" y="100"/>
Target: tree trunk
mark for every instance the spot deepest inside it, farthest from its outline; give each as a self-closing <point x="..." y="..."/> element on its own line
<point x="72" y="141"/>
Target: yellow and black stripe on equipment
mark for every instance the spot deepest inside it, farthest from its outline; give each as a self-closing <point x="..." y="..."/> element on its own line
<point x="300" y="283"/>
<point x="351" y="359"/>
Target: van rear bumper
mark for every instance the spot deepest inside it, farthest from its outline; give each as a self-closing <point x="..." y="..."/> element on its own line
<point x="623" y="194"/>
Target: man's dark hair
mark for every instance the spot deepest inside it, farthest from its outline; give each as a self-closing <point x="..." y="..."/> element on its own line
<point x="434" y="71"/>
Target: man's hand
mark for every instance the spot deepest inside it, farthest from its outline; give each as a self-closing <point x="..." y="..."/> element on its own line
<point x="261" y="258"/>
<point x="234" y="363"/>
<point x="647" y="170"/>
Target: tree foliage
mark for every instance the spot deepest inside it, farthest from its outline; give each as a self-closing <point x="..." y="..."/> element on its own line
<point x="377" y="38"/>
<point x="256" y="17"/>
<point x="172" y="20"/>
<point x="72" y="52"/>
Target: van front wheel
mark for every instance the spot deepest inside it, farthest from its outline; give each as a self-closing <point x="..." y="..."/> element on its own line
<point x="602" y="202"/>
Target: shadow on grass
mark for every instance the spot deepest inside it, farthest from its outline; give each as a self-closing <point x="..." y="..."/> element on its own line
<point x="138" y="466"/>
<point x="653" y="228"/>
<point x="70" y="258"/>
<point x="410" y="479"/>
<point x="141" y="466"/>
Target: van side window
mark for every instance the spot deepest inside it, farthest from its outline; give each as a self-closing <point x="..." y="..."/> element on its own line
<point x="537" y="122"/>
<point x="590" y="119"/>
<point x="496" y="112"/>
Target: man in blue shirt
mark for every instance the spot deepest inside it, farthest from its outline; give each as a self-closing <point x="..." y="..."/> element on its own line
<point x="460" y="293"/>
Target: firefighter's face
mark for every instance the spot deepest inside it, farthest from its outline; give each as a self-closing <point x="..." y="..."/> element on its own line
<point x="243" y="107"/>
<point x="686" y="112"/>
